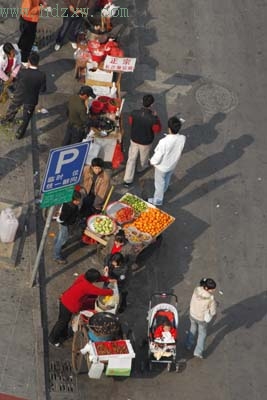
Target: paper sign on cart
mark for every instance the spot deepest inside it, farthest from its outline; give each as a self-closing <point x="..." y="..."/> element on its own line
<point x="119" y="64"/>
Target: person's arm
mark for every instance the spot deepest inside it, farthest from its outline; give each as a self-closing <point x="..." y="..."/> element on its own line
<point x="213" y="307"/>
<point x="158" y="154"/>
<point x="3" y="76"/>
<point x="156" y="127"/>
<point x="101" y="292"/>
<point x="43" y="86"/>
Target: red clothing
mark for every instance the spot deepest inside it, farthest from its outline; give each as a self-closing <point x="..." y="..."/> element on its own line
<point x="116" y="249"/>
<point x="72" y="297"/>
<point x="160" y="329"/>
<point x="9" y="66"/>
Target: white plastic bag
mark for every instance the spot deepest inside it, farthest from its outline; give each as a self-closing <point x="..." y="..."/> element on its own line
<point x="207" y="316"/>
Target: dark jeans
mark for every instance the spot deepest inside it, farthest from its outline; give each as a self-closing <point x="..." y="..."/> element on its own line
<point x="27" y="37"/>
<point x="73" y="135"/>
<point x="60" y="330"/>
<point x="71" y="26"/>
<point x="28" y="110"/>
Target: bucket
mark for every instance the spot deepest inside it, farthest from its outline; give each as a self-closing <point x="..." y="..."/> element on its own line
<point x="98" y="55"/>
<point x="97" y="107"/>
<point x="103" y="326"/>
<point x="113" y="104"/>
<point x="8" y="226"/>
<point x="104" y="100"/>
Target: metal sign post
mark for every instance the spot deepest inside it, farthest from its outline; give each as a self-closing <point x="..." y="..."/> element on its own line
<point x="64" y="169"/>
<point x="42" y="243"/>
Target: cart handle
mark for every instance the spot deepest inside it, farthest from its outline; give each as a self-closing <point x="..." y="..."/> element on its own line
<point x="163" y="295"/>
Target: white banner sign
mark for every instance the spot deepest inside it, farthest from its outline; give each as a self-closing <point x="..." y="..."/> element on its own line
<point x="119" y="64"/>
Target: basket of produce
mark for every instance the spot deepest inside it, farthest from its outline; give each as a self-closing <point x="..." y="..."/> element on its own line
<point x="101" y="224"/>
<point x="153" y="221"/>
<point x="135" y="202"/>
<point x="122" y="213"/>
<point x="104" y="325"/>
<point x="135" y="236"/>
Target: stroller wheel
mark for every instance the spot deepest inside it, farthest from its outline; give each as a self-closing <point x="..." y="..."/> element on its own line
<point x="169" y="366"/>
<point x="150" y="366"/>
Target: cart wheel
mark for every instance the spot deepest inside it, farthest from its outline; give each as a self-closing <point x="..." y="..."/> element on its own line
<point x="79" y="340"/>
<point x="169" y="366"/>
<point x="85" y="337"/>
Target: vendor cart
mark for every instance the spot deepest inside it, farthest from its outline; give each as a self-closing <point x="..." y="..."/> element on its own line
<point x="139" y="231"/>
<point x="114" y="356"/>
<point x="101" y="340"/>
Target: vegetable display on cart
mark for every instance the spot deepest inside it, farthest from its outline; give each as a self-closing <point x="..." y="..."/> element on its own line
<point x="152" y="221"/>
<point x="135" y="202"/>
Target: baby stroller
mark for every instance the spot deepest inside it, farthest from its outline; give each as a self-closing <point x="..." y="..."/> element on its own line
<point x="162" y="311"/>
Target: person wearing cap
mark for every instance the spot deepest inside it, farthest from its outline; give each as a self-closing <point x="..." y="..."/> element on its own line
<point x="77" y="114"/>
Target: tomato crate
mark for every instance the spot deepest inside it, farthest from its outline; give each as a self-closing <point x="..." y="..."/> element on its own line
<point x="113" y="349"/>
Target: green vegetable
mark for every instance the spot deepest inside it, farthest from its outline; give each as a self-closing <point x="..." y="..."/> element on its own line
<point x="134" y="201"/>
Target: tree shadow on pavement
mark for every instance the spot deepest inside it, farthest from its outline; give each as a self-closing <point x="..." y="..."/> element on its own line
<point x="241" y="315"/>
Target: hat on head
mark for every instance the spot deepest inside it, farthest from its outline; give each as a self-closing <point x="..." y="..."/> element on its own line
<point x="87" y="90"/>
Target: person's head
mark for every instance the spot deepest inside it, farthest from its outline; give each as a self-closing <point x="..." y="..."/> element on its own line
<point x="174" y="125"/>
<point x="167" y="326"/>
<point x="148" y="100"/>
<point x="97" y="165"/>
<point x="120" y="238"/>
<point x="9" y="50"/>
<point x="92" y="275"/>
<point x="85" y="92"/>
<point x="34" y="59"/>
<point x="76" y="197"/>
<point x="117" y="260"/>
<point x="208" y="284"/>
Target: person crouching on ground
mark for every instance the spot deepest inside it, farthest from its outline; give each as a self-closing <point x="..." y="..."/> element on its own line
<point x="165" y="158"/>
<point x="96" y="182"/>
<point x="10" y="63"/>
<point x="68" y="216"/>
<point x="75" y="299"/>
<point x="117" y="268"/>
<point x="202" y="310"/>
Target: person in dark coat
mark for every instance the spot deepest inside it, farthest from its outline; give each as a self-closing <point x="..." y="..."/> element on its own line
<point x="31" y="82"/>
<point x="144" y="124"/>
<point x="75" y="299"/>
<point x="77" y="114"/>
<point x="68" y="216"/>
<point x="118" y="269"/>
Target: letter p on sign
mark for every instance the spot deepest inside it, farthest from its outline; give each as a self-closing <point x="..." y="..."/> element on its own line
<point x="66" y="157"/>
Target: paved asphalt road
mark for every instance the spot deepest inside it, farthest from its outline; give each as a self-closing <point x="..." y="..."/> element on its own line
<point x="206" y="61"/>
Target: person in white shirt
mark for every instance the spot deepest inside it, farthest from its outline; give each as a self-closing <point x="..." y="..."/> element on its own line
<point x="165" y="158"/>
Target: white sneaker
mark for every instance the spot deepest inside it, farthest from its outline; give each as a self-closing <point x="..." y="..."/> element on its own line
<point x="74" y="45"/>
<point x="57" y="47"/>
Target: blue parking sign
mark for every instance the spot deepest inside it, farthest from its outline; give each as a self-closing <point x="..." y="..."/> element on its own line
<point x="65" y="166"/>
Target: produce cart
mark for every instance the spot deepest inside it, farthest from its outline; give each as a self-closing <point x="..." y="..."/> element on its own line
<point x="99" y="338"/>
<point x="143" y="222"/>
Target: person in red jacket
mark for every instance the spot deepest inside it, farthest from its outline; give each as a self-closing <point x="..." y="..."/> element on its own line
<point x="75" y="299"/>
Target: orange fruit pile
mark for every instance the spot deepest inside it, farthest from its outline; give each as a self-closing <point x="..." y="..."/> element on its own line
<point x="152" y="221"/>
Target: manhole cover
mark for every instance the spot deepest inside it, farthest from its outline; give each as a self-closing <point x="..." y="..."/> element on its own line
<point x="215" y="98"/>
<point x="61" y="379"/>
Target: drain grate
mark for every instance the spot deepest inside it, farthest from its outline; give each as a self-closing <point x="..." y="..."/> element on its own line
<point x="215" y="98"/>
<point x="61" y="378"/>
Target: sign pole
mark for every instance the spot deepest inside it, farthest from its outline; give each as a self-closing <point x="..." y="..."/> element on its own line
<point x="42" y="243"/>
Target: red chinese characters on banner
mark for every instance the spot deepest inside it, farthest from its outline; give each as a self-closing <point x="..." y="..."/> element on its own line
<point x="121" y="64"/>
